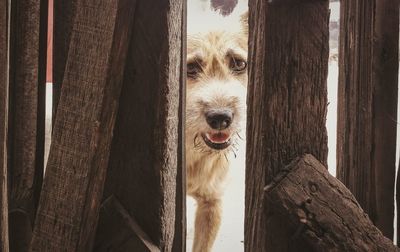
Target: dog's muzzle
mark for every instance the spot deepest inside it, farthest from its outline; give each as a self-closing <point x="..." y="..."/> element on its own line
<point x="219" y="121"/>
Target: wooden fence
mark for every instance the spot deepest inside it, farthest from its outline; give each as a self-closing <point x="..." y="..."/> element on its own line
<point x="115" y="178"/>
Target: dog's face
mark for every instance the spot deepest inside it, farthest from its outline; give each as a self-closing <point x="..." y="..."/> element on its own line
<point x="216" y="90"/>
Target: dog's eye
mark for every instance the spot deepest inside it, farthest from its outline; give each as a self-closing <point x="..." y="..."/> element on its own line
<point x="193" y="69"/>
<point x="238" y="65"/>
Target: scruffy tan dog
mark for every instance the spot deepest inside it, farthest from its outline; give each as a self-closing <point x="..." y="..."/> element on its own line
<point x="215" y="115"/>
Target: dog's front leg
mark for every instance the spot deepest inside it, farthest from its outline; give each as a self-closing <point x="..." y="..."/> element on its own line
<point x="208" y="220"/>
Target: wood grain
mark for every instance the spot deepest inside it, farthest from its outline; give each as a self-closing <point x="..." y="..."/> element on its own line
<point x="4" y="82"/>
<point x="317" y="208"/>
<point x="64" y="12"/>
<point x="75" y="174"/>
<point x="367" y="105"/>
<point x="147" y="147"/>
<point x="180" y="196"/>
<point x="26" y="117"/>
<point x="287" y="104"/>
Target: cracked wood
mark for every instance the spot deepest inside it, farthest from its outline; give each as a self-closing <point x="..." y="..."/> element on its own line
<point x="318" y="209"/>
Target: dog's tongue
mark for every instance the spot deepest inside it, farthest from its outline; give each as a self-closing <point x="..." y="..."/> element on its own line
<point x="218" y="137"/>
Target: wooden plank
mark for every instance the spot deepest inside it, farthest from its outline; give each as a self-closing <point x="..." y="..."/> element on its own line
<point x="118" y="231"/>
<point x="62" y="26"/>
<point x="147" y="144"/>
<point x="4" y="78"/>
<point x="367" y="105"/>
<point x="26" y="118"/>
<point x="75" y="173"/>
<point x="287" y="104"/>
<point x="180" y="197"/>
<point x="317" y="208"/>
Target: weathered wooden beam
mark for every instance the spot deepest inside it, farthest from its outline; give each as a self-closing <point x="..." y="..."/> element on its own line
<point x="75" y="173"/>
<point x="367" y="105"/>
<point x="26" y="118"/>
<point x="4" y="82"/>
<point x="287" y="104"/>
<point x="318" y="209"/>
<point x="180" y="196"/>
<point x="118" y="231"/>
<point x="147" y="144"/>
<point x="63" y="14"/>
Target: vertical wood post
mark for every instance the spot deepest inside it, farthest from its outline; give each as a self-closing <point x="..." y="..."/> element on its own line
<point x="63" y="14"/>
<point x="287" y="104"/>
<point x="75" y="174"/>
<point x="367" y="105"/>
<point x="4" y="77"/>
<point x="26" y="123"/>
<point x="180" y="197"/>
<point x="146" y="153"/>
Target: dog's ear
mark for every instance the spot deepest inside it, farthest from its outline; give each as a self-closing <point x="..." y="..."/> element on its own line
<point x="244" y="20"/>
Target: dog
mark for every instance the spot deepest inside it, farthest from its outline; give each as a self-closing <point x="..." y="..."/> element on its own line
<point x="215" y="114"/>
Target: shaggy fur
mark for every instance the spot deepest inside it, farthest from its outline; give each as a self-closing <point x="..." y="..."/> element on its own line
<point x="217" y="79"/>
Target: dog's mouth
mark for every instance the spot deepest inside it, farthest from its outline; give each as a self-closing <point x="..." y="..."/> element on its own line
<point x="217" y="141"/>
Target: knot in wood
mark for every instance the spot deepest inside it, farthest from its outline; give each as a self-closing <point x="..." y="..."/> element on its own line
<point x="313" y="187"/>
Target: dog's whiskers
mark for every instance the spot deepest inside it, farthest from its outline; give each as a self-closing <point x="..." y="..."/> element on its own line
<point x="241" y="138"/>
<point x="226" y="157"/>
<point x="194" y="140"/>
<point x="234" y="146"/>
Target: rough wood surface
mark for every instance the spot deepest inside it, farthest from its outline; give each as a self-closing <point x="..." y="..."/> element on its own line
<point x="147" y="145"/>
<point x="317" y="208"/>
<point x="63" y="15"/>
<point x="287" y="104"/>
<point x="26" y="118"/>
<point x="75" y="174"/>
<point x="367" y="105"/>
<point x="180" y="196"/>
<point x="4" y="77"/>
<point x="118" y="231"/>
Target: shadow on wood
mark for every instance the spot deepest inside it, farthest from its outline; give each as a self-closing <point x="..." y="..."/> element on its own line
<point x="118" y="231"/>
<point x="145" y="162"/>
<point x="367" y="105"/>
<point x="4" y="86"/>
<point x="28" y="33"/>
<point x="318" y="209"/>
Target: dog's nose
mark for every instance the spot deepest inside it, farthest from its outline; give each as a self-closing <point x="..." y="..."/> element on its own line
<point x="219" y="119"/>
